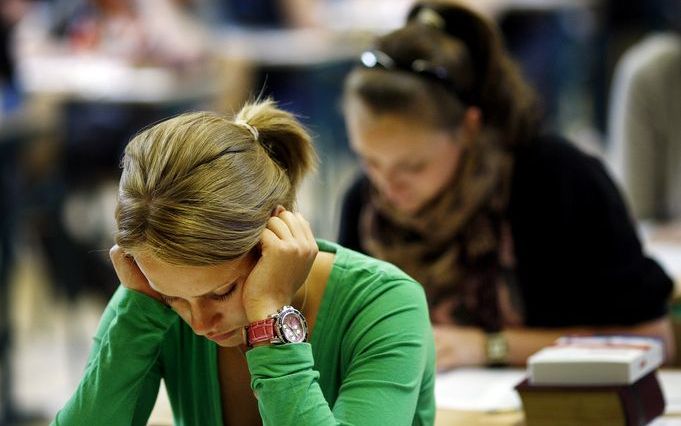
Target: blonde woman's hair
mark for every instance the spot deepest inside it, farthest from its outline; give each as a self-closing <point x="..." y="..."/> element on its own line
<point x="199" y="188"/>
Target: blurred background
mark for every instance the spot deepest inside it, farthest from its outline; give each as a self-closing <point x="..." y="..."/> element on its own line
<point x="78" y="78"/>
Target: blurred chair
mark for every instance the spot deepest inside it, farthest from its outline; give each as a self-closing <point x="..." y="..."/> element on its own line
<point x="676" y="323"/>
<point x="11" y="130"/>
<point x="645" y="127"/>
<point x="6" y="261"/>
<point x="15" y="133"/>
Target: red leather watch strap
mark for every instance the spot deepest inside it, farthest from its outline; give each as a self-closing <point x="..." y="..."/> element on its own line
<point x="261" y="331"/>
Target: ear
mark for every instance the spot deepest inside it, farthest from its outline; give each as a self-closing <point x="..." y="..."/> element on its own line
<point x="278" y="210"/>
<point x="472" y="120"/>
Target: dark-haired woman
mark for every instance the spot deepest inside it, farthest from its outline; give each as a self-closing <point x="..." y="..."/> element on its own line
<point x="516" y="236"/>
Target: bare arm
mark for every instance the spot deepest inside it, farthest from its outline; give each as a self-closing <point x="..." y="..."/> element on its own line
<point x="523" y="342"/>
<point x="465" y="346"/>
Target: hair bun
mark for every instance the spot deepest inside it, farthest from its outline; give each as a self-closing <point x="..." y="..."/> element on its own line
<point x="282" y="135"/>
<point x="428" y="16"/>
<point x="461" y="23"/>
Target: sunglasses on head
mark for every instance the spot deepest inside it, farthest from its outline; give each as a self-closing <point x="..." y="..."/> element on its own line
<point x="421" y="67"/>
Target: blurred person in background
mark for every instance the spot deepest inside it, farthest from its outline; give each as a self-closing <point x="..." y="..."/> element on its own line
<point x="517" y="237"/>
<point x="645" y="125"/>
<point x="11" y="12"/>
<point x="69" y="197"/>
<point x="218" y="278"/>
<point x="266" y="14"/>
<point x="149" y="32"/>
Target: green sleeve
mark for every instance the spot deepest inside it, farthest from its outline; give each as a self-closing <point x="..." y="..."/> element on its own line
<point x="121" y="379"/>
<point x="389" y="346"/>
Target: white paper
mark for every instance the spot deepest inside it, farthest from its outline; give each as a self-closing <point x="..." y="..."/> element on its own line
<point x="666" y="421"/>
<point x="668" y="254"/>
<point x="671" y="388"/>
<point x="478" y="389"/>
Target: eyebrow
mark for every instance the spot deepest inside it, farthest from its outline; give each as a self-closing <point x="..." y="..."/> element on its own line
<point x="210" y="293"/>
<point x="403" y="162"/>
<point x="410" y="162"/>
<point x="413" y="157"/>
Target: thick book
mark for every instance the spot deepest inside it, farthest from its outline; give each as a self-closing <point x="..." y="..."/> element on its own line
<point x="634" y="404"/>
<point x="595" y="360"/>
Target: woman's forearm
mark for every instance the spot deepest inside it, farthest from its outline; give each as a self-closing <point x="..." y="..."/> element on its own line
<point x="523" y="342"/>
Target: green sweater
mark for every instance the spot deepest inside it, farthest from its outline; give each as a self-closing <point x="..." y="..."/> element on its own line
<point x="370" y="361"/>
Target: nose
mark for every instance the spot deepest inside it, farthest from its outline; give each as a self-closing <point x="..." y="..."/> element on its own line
<point x="390" y="181"/>
<point x="394" y="187"/>
<point x="203" y="319"/>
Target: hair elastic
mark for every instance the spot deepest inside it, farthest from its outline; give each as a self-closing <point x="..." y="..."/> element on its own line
<point x="250" y="128"/>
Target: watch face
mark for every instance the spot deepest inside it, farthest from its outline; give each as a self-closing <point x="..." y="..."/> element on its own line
<point x="293" y="328"/>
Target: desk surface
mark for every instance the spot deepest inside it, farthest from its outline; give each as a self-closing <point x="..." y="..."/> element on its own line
<point x="104" y="79"/>
<point x="475" y="418"/>
<point x="462" y="418"/>
<point x="477" y="396"/>
<point x="500" y="385"/>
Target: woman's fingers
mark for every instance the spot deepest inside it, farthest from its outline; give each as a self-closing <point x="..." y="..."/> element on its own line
<point x="280" y="228"/>
<point x="289" y="226"/>
<point x="268" y="239"/>
<point x="293" y="223"/>
<point x="288" y="251"/>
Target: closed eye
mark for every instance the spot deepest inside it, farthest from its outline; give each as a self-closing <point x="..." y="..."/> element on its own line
<point x="225" y="296"/>
<point x="168" y="300"/>
<point x="414" y="168"/>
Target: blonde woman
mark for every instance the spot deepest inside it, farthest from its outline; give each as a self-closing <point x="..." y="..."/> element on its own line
<point x="224" y="285"/>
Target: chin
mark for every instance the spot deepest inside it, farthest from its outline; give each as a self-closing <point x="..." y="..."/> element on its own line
<point x="231" y="343"/>
<point x="409" y="208"/>
<point x="236" y="340"/>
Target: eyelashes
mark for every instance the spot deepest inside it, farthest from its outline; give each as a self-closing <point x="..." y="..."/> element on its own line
<point x="225" y="296"/>
<point x="168" y="300"/>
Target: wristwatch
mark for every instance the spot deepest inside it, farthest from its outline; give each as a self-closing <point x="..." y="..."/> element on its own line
<point x="288" y="325"/>
<point x="496" y="349"/>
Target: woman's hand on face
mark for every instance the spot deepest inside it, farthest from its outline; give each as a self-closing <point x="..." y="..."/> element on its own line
<point x="458" y="346"/>
<point x="130" y="274"/>
<point x="288" y="250"/>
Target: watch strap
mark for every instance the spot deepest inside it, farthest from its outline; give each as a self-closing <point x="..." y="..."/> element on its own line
<point x="273" y="329"/>
<point x="496" y="349"/>
<point x="261" y="331"/>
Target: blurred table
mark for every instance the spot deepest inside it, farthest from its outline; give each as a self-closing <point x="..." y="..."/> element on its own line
<point x="291" y="47"/>
<point x="483" y="397"/>
<point x="99" y="78"/>
<point x="473" y="418"/>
